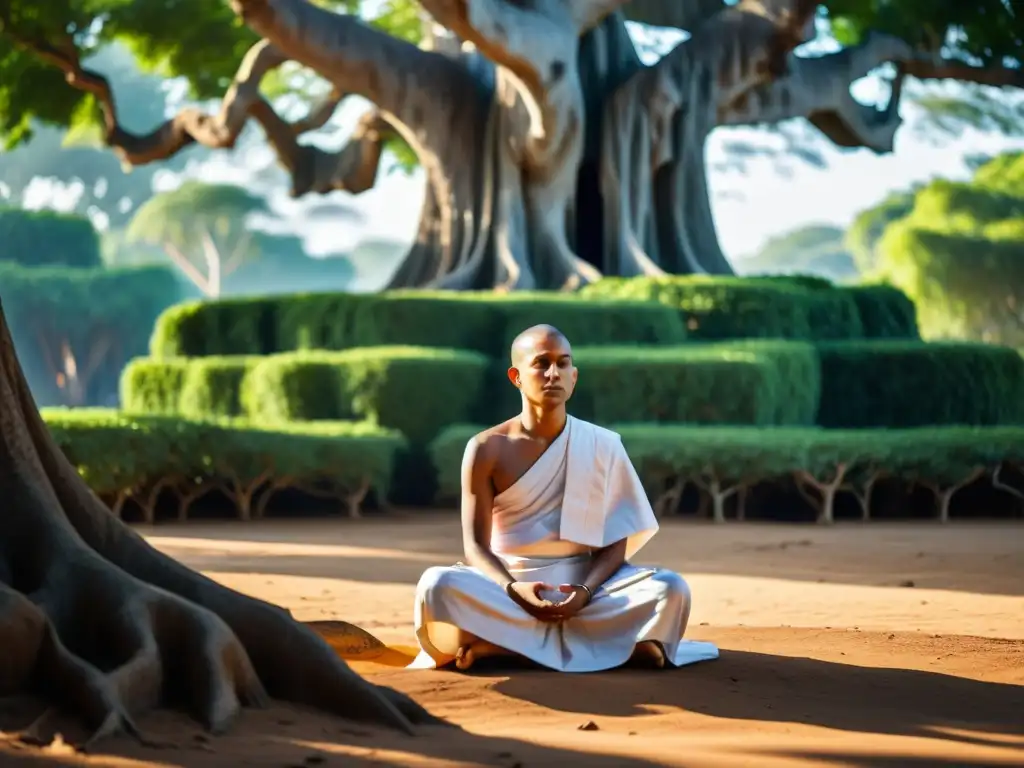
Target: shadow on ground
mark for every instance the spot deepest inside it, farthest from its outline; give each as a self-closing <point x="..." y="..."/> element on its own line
<point x="741" y="685"/>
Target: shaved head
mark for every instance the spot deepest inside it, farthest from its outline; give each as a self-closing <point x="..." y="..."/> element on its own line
<point x="526" y="342"/>
<point x="542" y="367"/>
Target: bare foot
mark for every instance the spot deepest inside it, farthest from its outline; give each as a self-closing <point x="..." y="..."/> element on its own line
<point x="649" y="653"/>
<point x="469" y="654"/>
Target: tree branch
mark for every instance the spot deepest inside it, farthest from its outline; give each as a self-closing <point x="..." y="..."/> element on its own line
<point x="930" y="68"/>
<point x="818" y="88"/>
<point x="190" y="126"/>
<point x="681" y="14"/>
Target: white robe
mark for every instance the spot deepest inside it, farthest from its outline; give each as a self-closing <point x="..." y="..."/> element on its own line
<point x="581" y="495"/>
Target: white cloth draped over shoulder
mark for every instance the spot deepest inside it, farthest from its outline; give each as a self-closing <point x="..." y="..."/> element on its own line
<point x="581" y="495"/>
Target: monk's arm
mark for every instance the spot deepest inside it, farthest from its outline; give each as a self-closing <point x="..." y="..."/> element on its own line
<point x="605" y="564"/>
<point x="477" y="508"/>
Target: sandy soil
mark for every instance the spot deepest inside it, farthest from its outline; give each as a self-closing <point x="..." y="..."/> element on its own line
<point x="887" y="644"/>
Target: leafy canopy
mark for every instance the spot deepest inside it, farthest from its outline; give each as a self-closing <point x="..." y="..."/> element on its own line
<point x="200" y="40"/>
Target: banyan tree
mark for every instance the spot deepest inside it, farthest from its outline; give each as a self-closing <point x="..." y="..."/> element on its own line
<point x="552" y="154"/>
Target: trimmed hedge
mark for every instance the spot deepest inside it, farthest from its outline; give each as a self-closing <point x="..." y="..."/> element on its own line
<point x="419" y="390"/>
<point x="477" y="322"/>
<point x="136" y="457"/>
<point x="755" y="383"/>
<point x="776" y="306"/>
<point x="416" y="390"/>
<point x="723" y="461"/>
<point x="885" y="312"/>
<point x="899" y="384"/>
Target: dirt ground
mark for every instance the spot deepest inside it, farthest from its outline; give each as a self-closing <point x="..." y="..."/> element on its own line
<point x="884" y="644"/>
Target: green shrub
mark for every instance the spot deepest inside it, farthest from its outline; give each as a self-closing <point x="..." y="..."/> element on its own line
<point x="244" y="326"/>
<point x="213" y="386"/>
<point x="151" y="386"/>
<point x="415" y="390"/>
<point x="722" y="308"/>
<point x="478" y="322"/>
<point x="885" y="312"/>
<point x="125" y="456"/>
<point x="723" y="460"/>
<point x="896" y="384"/>
<point x="318" y="321"/>
<point x="701" y="385"/>
<point x="446" y="452"/>
<point x="799" y="376"/>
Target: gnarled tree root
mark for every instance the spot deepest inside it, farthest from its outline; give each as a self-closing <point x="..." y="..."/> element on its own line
<point x="106" y="627"/>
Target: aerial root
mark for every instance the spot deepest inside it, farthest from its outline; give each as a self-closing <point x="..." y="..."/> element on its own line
<point x="218" y="673"/>
<point x="66" y="679"/>
<point x="414" y="712"/>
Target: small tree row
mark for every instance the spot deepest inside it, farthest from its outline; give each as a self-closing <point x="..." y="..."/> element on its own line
<point x="138" y="458"/>
<point x="723" y="462"/>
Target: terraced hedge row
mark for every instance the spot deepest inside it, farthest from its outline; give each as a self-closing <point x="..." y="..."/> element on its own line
<point x="475" y="322"/>
<point x="725" y="461"/>
<point x="419" y="390"/>
<point x="137" y="458"/>
<point x="611" y="312"/>
<point x="715" y="308"/>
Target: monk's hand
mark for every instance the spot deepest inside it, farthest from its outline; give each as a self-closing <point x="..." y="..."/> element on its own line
<point x="527" y="595"/>
<point x="577" y="598"/>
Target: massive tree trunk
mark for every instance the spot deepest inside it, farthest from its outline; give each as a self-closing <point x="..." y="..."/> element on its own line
<point x="104" y="626"/>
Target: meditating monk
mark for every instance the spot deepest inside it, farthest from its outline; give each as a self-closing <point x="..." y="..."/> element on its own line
<point x="552" y="509"/>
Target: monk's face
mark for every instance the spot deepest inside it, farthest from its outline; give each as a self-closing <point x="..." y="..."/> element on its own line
<point x="542" y="369"/>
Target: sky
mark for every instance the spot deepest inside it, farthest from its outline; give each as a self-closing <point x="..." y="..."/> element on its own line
<point x="770" y="196"/>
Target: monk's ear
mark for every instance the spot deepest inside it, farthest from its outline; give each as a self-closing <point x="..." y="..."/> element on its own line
<point x="513" y="376"/>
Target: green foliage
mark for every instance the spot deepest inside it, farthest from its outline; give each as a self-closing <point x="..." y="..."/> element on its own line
<point x="713" y="308"/>
<point x="201" y="388"/>
<point x="885" y="311"/>
<point x="446" y="452"/>
<point x="203" y="42"/>
<point x="699" y="384"/>
<point x="415" y="390"/>
<point x="867" y="228"/>
<point x="984" y="31"/>
<point x="748" y="456"/>
<point x="814" y="249"/>
<point x="897" y="384"/>
<point x="480" y="322"/>
<point x="224" y="327"/>
<point x="126" y="455"/>
<point x="45" y="238"/>
<point x="960" y="254"/>
<point x="100" y="318"/>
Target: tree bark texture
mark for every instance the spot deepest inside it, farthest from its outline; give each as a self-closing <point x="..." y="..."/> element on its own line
<point x="105" y="626"/>
<point x="553" y="156"/>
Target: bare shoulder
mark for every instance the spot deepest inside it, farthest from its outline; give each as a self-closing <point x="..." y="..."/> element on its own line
<point x="485" y="447"/>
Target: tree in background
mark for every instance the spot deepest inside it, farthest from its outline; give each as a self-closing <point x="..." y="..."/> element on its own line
<point x="544" y="169"/>
<point x="203" y="228"/>
<point x="959" y="253"/>
<point x="817" y="249"/>
<point x="45" y="238"/>
<point x="868" y="226"/>
<point x="207" y="232"/>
